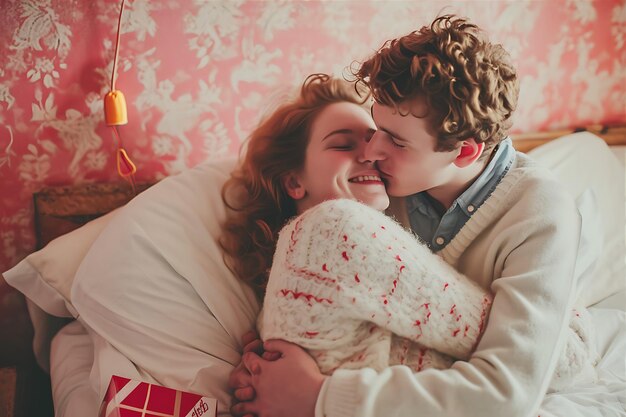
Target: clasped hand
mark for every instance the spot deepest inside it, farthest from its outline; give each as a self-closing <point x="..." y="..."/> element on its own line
<point x="274" y="379"/>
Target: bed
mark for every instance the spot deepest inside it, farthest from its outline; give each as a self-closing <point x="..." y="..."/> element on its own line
<point x="178" y="322"/>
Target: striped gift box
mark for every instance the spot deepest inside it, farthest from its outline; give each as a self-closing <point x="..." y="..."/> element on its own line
<point x="130" y="398"/>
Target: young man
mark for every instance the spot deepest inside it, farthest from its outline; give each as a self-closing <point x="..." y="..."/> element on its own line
<point x="443" y="104"/>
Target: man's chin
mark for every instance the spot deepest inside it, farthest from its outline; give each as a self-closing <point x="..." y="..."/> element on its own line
<point x="392" y="191"/>
<point x="397" y="192"/>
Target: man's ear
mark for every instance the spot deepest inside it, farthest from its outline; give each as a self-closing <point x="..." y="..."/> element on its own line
<point x="468" y="153"/>
<point x="292" y="186"/>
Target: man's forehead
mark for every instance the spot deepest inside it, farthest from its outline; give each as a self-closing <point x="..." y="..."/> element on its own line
<point x="416" y="106"/>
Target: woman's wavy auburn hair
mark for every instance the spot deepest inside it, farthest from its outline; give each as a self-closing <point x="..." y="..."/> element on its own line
<point x="254" y="192"/>
<point x="468" y="82"/>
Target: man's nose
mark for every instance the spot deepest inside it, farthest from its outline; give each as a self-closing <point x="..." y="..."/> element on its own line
<point x="373" y="149"/>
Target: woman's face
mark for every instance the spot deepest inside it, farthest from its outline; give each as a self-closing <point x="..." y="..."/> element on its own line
<point x="334" y="166"/>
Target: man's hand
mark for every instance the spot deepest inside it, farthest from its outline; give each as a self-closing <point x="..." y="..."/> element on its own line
<point x="285" y="387"/>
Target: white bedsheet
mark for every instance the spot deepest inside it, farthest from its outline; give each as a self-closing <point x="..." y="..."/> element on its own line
<point x="608" y="397"/>
<point x="73" y="350"/>
<point x="71" y="360"/>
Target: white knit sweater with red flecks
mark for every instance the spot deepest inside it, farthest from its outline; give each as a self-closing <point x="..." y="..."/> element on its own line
<point x="356" y="290"/>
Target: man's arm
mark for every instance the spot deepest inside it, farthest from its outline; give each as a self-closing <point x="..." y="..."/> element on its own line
<point x="513" y="364"/>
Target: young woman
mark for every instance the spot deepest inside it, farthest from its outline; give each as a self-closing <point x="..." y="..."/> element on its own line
<point x="341" y="279"/>
<point x="279" y="148"/>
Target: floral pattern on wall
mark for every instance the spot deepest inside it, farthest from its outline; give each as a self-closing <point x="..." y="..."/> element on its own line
<point x="198" y="75"/>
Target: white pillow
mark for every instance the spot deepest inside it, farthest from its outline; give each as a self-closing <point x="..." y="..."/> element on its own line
<point x="595" y="178"/>
<point x="45" y="277"/>
<point x="155" y="287"/>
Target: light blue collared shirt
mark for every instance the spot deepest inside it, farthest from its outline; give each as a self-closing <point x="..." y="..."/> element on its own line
<point x="437" y="229"/>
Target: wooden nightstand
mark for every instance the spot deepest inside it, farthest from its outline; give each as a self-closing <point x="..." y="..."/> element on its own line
<point x="8" y="384"/>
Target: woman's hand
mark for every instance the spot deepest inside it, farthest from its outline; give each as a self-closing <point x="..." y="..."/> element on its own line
<point x="285" y="387"/>
<point x="239" y="380"/>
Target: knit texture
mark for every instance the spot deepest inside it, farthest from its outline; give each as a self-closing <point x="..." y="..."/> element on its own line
<point x="357" y="290"/>
<point x="346" y="277"/>
<point x="577" y="361"/>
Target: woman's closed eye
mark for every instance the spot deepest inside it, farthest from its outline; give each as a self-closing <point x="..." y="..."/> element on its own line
<point x="345" y="145"/>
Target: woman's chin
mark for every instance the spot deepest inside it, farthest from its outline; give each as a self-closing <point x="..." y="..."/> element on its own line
<point x="379" y="203"/>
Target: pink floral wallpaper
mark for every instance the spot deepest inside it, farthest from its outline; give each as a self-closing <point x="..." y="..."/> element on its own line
<point x="198" y="74"/>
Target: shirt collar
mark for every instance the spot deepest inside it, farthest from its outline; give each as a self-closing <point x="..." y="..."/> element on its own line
<point x="483" y="186"/>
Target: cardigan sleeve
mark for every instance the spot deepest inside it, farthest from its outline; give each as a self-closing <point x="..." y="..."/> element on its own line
<point x="345" y="262"/>
<point x="510" y="370"/>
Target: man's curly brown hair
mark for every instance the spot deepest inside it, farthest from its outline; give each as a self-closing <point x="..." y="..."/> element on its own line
<point x="468" y="82"/>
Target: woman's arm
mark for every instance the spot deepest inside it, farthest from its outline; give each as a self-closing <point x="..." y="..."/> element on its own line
<point x="344" y="273"/>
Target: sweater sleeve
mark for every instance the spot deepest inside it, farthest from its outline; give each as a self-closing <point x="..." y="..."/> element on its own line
<point x="535" y="248"/>
<point x="347" y="263"/>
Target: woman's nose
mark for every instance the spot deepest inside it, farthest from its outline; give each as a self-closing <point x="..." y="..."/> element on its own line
<point x="372" y="150"/>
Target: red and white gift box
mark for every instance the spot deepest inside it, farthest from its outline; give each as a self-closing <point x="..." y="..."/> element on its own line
<point x="130" y="398"/>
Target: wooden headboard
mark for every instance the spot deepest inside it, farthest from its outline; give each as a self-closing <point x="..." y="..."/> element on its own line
<point x="613" y="135"/>
<point x="61" y="209"/>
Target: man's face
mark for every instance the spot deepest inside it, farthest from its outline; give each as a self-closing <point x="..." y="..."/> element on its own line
<point x="404" y="151"/>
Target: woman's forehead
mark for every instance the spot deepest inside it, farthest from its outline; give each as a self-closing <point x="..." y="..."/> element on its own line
<point x="342" y="115"/>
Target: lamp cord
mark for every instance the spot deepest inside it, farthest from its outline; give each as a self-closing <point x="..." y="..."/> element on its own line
<point x="117" y="46"/>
